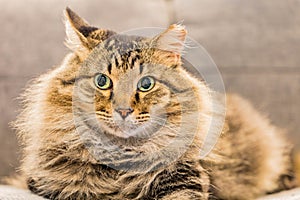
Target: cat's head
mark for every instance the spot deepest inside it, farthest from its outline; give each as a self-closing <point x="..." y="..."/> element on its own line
<point x="128" y="88"/>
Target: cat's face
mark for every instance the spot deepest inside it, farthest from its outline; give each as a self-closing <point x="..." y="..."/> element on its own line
<point x="134" y="87"/>
<point x="128" y="100"/>
<point x="129" y="94"/>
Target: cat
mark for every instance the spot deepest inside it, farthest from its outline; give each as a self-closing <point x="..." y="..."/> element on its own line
<point x="99" y="126"/>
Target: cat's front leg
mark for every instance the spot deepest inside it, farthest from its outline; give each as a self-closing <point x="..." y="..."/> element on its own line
<point x="184" y="181"/>
<point x="187" y="195"/>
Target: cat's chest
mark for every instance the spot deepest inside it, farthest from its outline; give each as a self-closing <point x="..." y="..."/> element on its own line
<point x="159" y="183"/>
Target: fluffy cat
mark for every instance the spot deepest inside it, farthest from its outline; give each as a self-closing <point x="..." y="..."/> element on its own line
<point x="133" y="93"/>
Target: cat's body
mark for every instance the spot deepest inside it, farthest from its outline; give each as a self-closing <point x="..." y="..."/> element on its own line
<point x="251" y="157"/>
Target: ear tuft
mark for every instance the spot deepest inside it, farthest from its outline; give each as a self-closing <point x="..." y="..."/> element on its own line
<point x="172" y="39"/>
<point x="77" y="21"/>
<point x="75" y="40"/>
<point x="81" y="37"/>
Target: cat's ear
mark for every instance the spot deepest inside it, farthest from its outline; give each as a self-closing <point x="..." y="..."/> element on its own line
<point x="172" y="39"/>
<point x="81" y="36"/>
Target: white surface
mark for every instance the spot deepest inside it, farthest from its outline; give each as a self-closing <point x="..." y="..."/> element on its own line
<point x="285" y="195"/>
<point x="11" y="193"/>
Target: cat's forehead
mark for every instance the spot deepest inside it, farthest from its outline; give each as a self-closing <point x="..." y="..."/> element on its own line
<point x="122" y="44"/>
<point x="118" y="54"/>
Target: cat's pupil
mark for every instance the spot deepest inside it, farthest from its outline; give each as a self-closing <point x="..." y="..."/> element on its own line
<point x="102" y="81"/>
<point x="146" y="83"/>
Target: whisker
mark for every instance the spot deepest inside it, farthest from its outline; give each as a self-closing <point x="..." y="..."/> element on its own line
<point x="102" y="113"/>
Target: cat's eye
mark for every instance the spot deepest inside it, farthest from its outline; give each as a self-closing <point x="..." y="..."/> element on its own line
<point x="103" y="82"/>
<point x="146" y="83"/>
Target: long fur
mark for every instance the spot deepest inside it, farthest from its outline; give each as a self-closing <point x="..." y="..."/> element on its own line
<point x="68" y="156"/>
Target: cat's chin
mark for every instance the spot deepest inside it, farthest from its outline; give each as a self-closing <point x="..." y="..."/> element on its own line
<point x="127" y="134"/>
<point x="121" y="131"/>
<point x="128" y="131"/>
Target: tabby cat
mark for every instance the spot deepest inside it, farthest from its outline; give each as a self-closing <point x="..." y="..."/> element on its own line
<point x="107" y="124"/>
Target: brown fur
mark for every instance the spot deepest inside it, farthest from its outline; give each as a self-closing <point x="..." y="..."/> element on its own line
<point x="251" y="155"/>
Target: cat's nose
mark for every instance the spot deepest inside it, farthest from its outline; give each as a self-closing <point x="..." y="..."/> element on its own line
<point x="124" y="112"/>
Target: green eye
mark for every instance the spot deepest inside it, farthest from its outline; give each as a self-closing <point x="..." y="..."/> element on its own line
<point x="103" y="82"/>
<point x="146" y="83"/>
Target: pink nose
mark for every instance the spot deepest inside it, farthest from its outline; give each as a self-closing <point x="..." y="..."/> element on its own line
<point x="124" y="112"/>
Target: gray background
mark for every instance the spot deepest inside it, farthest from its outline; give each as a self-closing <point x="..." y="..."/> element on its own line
<point x="256" y="45"/>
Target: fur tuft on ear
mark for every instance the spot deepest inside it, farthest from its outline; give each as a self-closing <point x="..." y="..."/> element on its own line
<point x="172" y="39"/>
<point x="81" y="37"/>
<point x="74" y="39"/>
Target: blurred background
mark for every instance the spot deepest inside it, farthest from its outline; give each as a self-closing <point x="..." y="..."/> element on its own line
<point x="255" y="44"/>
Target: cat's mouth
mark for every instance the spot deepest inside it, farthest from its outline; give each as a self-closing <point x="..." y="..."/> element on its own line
<point x="131" y="128"/>
<point x="125" y="129"/>
<point x="141" y="126"/>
